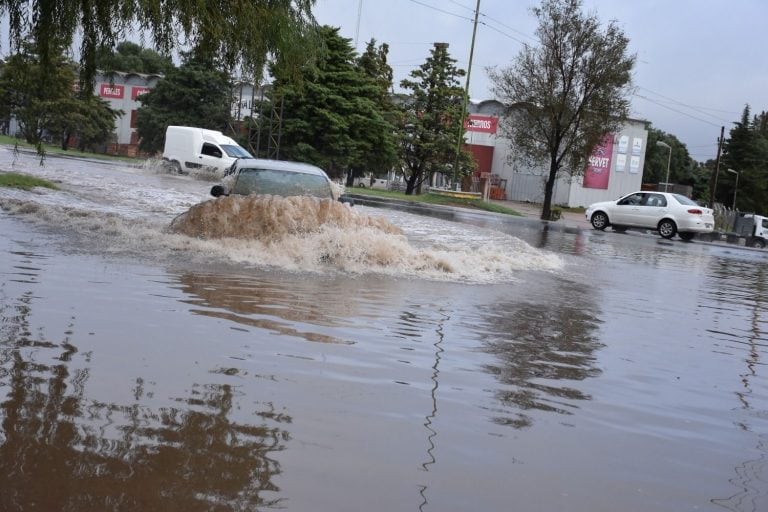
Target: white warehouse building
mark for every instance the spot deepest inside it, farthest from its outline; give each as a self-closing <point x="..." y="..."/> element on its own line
<point x="616" y="167"/>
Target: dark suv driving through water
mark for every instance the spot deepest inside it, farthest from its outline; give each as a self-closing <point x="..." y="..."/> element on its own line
<point x="276" y="177"/>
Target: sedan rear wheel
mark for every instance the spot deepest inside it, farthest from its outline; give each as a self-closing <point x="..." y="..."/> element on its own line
<point x="599" y="221"/>
<point x="667" y="228"/>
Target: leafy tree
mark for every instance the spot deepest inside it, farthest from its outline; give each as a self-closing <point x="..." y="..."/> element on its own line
<point x="237" y="32"/>
<point x="334" y="118"/>
<point x="32" y="94"/>
<point x="89" y="118"/>
<point x="745" y="151"/>
<point x="566" y="93"/>
<point x="131" y="58"/>
<point x="191" y="95"/>
<point x="431" y="118"/>
<point x="45" y="102"/>
<point x="681" y="165"/>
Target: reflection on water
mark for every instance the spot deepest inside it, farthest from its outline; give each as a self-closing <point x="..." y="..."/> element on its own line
<point x="540" y="348"/>
<point x="60" y="450"/>
<point x="741" y="289"/>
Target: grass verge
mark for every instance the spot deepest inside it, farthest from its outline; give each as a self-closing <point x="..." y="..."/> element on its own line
<point x="474" y="204"/>
<point x="56" y="150"/>
<point x="23" y="181"/>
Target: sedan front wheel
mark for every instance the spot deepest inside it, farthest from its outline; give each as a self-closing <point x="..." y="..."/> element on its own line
<point x="667" y="229"/>
<point x="599" y="221"/>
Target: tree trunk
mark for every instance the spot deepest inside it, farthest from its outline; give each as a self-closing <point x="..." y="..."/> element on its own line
<point x="410" y="184"/>
<point x="65" y="141"/>
<point x="546" y="209"/>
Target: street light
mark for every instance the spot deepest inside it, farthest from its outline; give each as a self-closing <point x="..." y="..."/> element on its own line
<point x="736" y="188"/>
<point x="669" y="161"/>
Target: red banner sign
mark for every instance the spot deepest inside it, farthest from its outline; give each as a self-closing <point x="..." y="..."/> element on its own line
<point x="598" y="169"/>
<point x="138" y="91"/>
<point x="483" y="124"/>
<point x="111" y="91"/>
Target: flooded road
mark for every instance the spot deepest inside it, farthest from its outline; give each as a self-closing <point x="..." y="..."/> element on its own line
<point x="532" y="371"/>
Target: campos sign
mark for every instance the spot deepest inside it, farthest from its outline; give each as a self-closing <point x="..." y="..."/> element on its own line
<point x="483" y="124"/>
<point x="598" y="169"/>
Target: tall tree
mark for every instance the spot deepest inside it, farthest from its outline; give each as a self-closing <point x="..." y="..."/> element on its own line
<point x="746" y="152"/>
<point x="373" y="64"/>
<point x="567" y="93"/>
<point x="333" y="118"/>
<point x="191" y="95"/>
<point x="130" y="57"/>
<point x="238" y="32"/>
<point x="431" y="117"/>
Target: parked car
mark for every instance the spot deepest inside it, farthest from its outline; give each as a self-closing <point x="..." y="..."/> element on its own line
<point x="668" y="213"/>
<point x="276" y="177"/>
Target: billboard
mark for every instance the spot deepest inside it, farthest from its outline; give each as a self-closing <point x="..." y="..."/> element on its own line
<point x="138" y="91"/>
<point x="483" y="124"/>
<point x="111" y="91"/>
<point x="598" y="170"/>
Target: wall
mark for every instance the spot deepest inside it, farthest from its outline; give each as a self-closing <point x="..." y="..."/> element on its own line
<point x="527" y="183"/>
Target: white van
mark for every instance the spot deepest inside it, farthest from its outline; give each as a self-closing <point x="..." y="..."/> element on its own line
<point x="188" y="148"/>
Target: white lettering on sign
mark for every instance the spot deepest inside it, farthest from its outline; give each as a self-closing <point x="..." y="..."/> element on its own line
<point x="477" y="123"/>
<point x="111" y="91"/>
<point x="597" y="161"/>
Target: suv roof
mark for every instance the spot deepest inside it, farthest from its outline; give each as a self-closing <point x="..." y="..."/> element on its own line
<point x="278" y="165"/>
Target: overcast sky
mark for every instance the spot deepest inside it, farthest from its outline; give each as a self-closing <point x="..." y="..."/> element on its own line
<point x="698" y="61"/>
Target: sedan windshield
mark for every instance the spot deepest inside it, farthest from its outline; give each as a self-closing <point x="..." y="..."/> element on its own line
<point x="281" y="183"/>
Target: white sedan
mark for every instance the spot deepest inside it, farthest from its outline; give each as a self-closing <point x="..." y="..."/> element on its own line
<point x="668" y="213"/>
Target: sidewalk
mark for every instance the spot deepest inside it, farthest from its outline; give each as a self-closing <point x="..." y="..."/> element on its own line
<point x="533" y="211"/>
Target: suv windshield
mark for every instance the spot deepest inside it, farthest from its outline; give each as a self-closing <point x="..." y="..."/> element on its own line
<point x="235" y="151"/>
<point x="281" y="183"/>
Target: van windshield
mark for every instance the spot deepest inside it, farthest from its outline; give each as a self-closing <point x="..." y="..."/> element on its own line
<point x="281" y="183"/>
<point x="235" y="151"/>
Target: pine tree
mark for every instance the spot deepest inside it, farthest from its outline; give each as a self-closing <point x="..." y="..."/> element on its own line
<point x="432" y="119"/>
<point x="333" y="118"/>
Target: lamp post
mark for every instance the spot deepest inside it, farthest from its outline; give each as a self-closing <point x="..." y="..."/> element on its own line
<point x="736" y="188"/>
<point x="669" y="161"/>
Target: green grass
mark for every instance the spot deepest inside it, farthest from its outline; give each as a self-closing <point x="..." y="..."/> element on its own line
<point x="23" y="181"/>
<point x="56" y="150"/>
<point x="474" y="204"/>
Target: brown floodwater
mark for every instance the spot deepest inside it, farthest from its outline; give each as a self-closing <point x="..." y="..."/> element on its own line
<point x="562" y="371"/>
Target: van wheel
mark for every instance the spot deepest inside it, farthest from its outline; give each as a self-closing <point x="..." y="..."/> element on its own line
<point x="759" y="243"/>
<point x="667" y="228"/>
<point x="175" y="167"/>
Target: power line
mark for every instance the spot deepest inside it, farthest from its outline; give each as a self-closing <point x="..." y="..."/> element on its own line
<point x="442" y="10"/>
<point x="675" y="110"/>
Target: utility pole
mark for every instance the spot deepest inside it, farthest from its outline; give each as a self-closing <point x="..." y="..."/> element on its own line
<point x="359" y="13"/>
<point x="717" y="167"/>
<point x="466" y="97"/>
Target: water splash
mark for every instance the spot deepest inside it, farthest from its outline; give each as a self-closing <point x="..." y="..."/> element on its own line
<point x="272" y="218"/>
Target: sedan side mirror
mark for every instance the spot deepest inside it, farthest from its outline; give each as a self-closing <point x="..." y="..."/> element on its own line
<point x="218" y="190"/>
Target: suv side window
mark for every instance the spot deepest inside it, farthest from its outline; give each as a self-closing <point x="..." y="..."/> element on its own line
<point x="211" y="150"/>
<point x="632" y="200"/>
